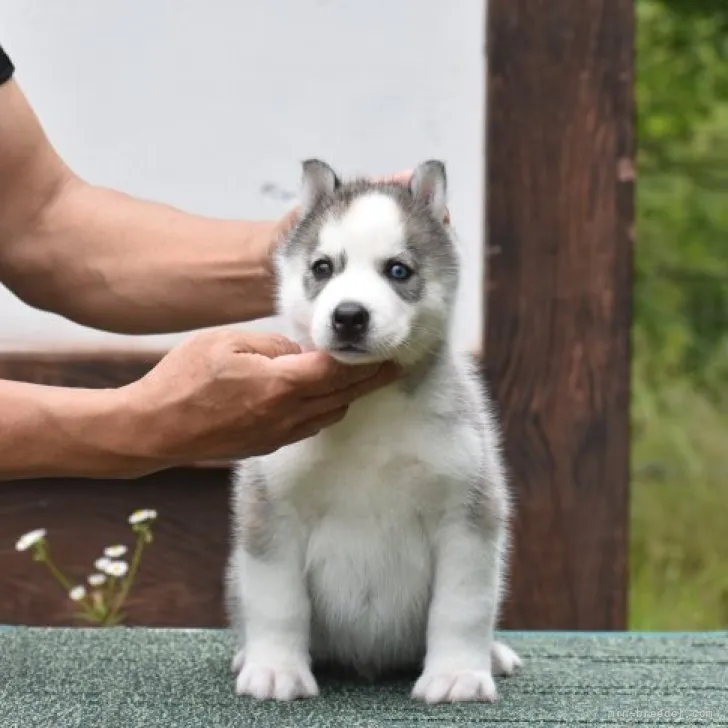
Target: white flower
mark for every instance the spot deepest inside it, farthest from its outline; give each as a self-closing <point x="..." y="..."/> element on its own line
<point x="30" y="539"/>
<point x="102" y="564"/>
<point x="77" y="593"/>
<point x="97" y="579"/>
<point x="142" y="516"/>
<point x="115" y="552"/>
<point x="117" y="568"/>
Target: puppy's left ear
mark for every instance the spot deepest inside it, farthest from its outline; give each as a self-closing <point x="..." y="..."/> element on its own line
<point x="429" y="184"/>
<point x="319" y="181"/>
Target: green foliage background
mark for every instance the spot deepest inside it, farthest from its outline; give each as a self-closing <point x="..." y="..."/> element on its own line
<point x="679" y="529"/>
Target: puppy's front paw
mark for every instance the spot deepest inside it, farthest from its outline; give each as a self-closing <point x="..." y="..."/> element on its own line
<point x="460" y="686"/>
<point x="238" y="661"/>
<point x="276" y="679"/>
<point x="505" y="660"/>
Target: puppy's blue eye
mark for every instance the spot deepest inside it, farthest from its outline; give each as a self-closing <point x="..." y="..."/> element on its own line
<point x="398" y="271"/>
<point x="322" y="269"/>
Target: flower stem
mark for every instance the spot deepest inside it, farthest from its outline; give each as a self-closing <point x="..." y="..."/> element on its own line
<point x="61" y="579"/>
<point x="109" y="590"/>
<point x="126" y="583"/>
<point x="56" y="572"/>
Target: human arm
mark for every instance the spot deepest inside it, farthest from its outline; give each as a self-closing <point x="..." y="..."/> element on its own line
<point x="219" y="395"/>
<point x="59" y="431"/>
<point x="112" y="262"/>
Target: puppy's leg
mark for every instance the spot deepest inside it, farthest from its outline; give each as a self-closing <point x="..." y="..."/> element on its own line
<point x="505" y="660"/>
<point x="458" y="663"/>
<point x="275" y="661"/>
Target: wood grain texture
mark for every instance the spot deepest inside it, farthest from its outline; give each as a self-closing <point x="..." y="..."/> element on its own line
<point x="559" y="220"/>
<point x="180" y="580"/>
<point x="88" y="369"/>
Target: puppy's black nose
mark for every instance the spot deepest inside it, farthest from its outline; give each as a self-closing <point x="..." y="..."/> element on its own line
<point x="350" y="320"/>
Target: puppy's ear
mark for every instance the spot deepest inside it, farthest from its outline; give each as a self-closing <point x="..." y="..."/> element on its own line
<point x="319" y="181"/>
<point x="429" y="184"/>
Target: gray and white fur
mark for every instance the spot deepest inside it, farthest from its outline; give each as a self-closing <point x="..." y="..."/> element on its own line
<point x="380" y="544"/>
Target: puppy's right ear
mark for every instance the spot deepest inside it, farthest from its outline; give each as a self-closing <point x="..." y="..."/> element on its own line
<point x="319" y="181"/>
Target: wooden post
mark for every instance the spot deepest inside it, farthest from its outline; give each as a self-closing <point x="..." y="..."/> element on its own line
<point x="558" y="280"/>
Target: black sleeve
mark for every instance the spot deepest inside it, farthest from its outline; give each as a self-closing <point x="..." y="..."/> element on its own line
<point x="6" y="66"/>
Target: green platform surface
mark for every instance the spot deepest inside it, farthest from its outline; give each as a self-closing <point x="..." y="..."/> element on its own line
<point x="134" y="677"/>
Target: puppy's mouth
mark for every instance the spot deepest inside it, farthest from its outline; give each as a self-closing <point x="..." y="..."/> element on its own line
<point x="351" y="353"/>
<point x="350" y="349"/>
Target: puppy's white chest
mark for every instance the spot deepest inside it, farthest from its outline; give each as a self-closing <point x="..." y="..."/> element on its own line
<point x="389" y="455"/>
<point x="368" y="504"/>
<point x="379" y="465"/>
<point x="369" y="567"/>
<point x="369" y="580"/>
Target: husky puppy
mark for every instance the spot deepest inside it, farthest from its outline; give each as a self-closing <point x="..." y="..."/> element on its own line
<point x="380" y="543"/>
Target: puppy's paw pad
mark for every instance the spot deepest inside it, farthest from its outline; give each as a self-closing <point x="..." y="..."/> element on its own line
<point x="455" y="687"/>
<point x="276" y="682"/>
<point x="505" y="660"/>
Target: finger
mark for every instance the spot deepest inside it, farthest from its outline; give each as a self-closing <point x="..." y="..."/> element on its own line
<point x="316" y="373"/>
<point x="287" y="222"/>
<point x="269" y="345"/>
<point x="291" y="218"/>
<point x="344" y="397"/>
<point x="312" y="427"/>
<point x="396" y="177"/>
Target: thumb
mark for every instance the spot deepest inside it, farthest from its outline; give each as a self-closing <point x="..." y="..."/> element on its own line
<point x="268" y="345"/>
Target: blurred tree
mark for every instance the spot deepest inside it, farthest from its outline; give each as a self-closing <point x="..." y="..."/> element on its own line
<point x="681" y="293"/>
<point x="680" y="365"/>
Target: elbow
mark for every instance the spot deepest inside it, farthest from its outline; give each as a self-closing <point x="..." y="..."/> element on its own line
<point x="34" y="261"/>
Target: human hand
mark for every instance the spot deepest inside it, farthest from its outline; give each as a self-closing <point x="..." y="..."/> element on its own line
<point x="228" y="394"/>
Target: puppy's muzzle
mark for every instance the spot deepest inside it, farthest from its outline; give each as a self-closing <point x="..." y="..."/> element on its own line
<point x="350" y="322"/>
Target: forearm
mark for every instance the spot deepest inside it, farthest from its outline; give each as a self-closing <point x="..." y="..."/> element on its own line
<point x="112" y="262"/>
<point x="55" y="432"/>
